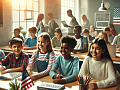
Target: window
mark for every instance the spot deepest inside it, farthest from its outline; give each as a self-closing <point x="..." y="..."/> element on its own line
<point x="65" y="5"/>
<point x="24" y="13"/>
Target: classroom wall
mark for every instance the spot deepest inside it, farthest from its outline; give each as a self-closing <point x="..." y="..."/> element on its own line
<point x="5" y="31"/>
<point x="90" y="7"/>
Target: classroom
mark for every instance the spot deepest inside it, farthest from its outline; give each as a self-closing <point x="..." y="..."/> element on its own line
<point x="71" y="35"/>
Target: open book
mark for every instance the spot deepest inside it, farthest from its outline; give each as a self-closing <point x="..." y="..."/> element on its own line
<point x="10" y="76"/>
<point x="50" y="86"/>
<point x="64" y="23"/>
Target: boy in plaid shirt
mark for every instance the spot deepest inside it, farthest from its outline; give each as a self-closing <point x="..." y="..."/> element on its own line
<point x="14" y="61"/>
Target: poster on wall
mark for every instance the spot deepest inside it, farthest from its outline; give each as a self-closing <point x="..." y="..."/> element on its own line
<point x="1" y="14"/>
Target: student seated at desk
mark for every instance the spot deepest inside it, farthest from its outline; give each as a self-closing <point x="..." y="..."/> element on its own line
<point x="43" y="58"/>
<point x="56" y="39"/>
<point x="98" y="64"/>
<point x="82" y="42"/>
<point x="2" y="55"/>
<point x="32" y="40"/>
<point x="14" y="61"/>
<point x="89" y="37"/>
<point x="66" y="64"/>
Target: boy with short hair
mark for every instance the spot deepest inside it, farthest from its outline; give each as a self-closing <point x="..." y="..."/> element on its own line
<point x="82" y="42"/>
<point x="32" y="40"/>
<point x="110" y="36"/>
<point x="66" y="64"/>
<point x="14" y="61"/>
<point x="89" y="37"/>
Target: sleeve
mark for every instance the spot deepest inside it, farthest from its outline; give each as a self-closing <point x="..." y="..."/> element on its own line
<point x="84" y="71"/>
<point x="27" y="41"/>
<point x="74" y="22"/>
<point x="32" y="61"/>
<point x="26" y="60"/>
<point x="5" y="62"/>
<point x="50" y="64"/>
<point x="114" y="41"/>
<point x="75" y="72"/>
<point x="85" y="40"/>
<point x="2" y="55"/>
<point x="87" y="24"/>
<point x="51" y="24"/>
<point x="53" y="42"/>
<point x="56" y="65"/>
<point x="111" y="80"/>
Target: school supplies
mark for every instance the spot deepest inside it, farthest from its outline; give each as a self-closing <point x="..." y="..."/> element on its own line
<point x="50" y="86"/>
<point x="57" y="71"/>
<point x="10" y="76"/>
<point x="83" y="83"/>
<point x="64" y="23"/>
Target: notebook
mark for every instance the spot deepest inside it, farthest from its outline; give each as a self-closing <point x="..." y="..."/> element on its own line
<point x="112" y="50"/>
<point x="50" y="86"/>
<point x="64" y="23"/>
<point x="10" y="76"/>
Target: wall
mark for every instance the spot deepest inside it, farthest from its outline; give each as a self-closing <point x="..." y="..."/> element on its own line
<point x="5" y="31"/>
<point x="90" y="7"/>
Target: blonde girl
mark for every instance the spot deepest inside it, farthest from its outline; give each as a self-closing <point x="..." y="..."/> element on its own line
<point x="43" y="58"/>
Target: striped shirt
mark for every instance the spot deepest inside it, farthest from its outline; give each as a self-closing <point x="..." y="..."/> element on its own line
<point x="42" y="57"/>
<point x="12" y="62"/>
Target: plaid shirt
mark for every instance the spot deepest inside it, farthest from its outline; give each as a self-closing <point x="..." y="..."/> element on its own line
<point x="12" y="62"/>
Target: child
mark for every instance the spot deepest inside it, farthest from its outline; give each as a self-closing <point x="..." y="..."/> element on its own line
<point x="82" y="42"/>
<point x="92" y="31"/>
<point x="17" y="34"/>
<point x="89" y="37"/>
<point x="31" y="41"/>
<point x="110" y="36"/>
<point x="14" y="61"/>
<point x="66" y="64"/>
<point x="43" y="58"/>
<point x="104" y="36"/>
<point x="85" y="22"/>
<point x="56" y="39"/>
<point x="52" y="25"/>
<point x="98" y="64"/>
<point x="2" y="55"/>
<point x="112" y="30"/>
<point x="116" y="41"/>
<point x="39" y="24"/>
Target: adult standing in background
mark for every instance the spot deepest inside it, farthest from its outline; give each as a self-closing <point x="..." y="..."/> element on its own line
<point x="112" y="30"/>
<point x="52" y="25"/>
<point x="73" y="22"/>
<point x="85" y="22"/>
<point x="39" y="24"/>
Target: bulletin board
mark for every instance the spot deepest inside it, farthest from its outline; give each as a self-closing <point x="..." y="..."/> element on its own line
<point x="1" y="14"/>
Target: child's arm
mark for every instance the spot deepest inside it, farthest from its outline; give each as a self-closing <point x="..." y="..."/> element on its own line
<point x="30" y="48"/>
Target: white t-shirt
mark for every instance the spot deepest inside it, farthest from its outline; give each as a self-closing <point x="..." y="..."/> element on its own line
<point x="78" y="46"/>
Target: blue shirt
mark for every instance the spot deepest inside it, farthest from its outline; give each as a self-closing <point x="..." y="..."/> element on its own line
<point x="31" y="41"/>
<point x="66" y="67"/>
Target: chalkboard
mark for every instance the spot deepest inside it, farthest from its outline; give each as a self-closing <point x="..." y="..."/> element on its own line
<point x="1" y="14"/>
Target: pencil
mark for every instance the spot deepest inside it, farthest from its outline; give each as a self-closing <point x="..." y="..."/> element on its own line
<point x="78" y="79"/>
<point x="57" y="71"/>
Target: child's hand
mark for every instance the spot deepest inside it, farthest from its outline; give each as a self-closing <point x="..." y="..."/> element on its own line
<point x="29" y="72"/>
<point x="58" y="76"/>
<point x="93" y="85"/>
<point x="2" y="68"/>
<point x="59" y="81"/>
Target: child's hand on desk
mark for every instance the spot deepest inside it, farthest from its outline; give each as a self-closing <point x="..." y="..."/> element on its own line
<point x="59" y="81"/>
<point x="58" y="76"/>
<point x="93" y="85"/>
<point x="2" y="69"/>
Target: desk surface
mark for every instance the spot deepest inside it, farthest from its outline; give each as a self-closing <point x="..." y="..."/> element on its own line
<point x="48" y="79"/>
<point x="79" y="55"/>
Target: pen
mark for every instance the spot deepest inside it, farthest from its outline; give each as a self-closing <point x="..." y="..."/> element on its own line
<point x="57" y="71"/>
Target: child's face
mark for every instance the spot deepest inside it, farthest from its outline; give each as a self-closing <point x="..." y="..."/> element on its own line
<point x="57" y="35"/>
<point x="107" y="32"/>
<point x="42" y="43"/>
<point x="86" y="34"/>
<point x="92" y="29"/>
<point x="16" y="33"/>
<point x="16" y="48"/>
<point x="77" y="32"/>
<point x="66" y="50"/>
<point x="32" y="34"/>
<point x="96" y="51"/>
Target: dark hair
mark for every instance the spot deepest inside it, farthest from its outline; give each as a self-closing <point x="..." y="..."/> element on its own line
<point x="107" y="29"/>
<point x="71" y="41"/>
<point x="58" y="30"/>
<point x="34" y="29"/>
<point x="111" y="25"/>
<point x="15" y="40"/>
<point x="69" y="10"/>
<point x="78" y="27"/>
<point x="85" y="31"/>
<point x="17" y="29"/>
<point x="50" y="14"/>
